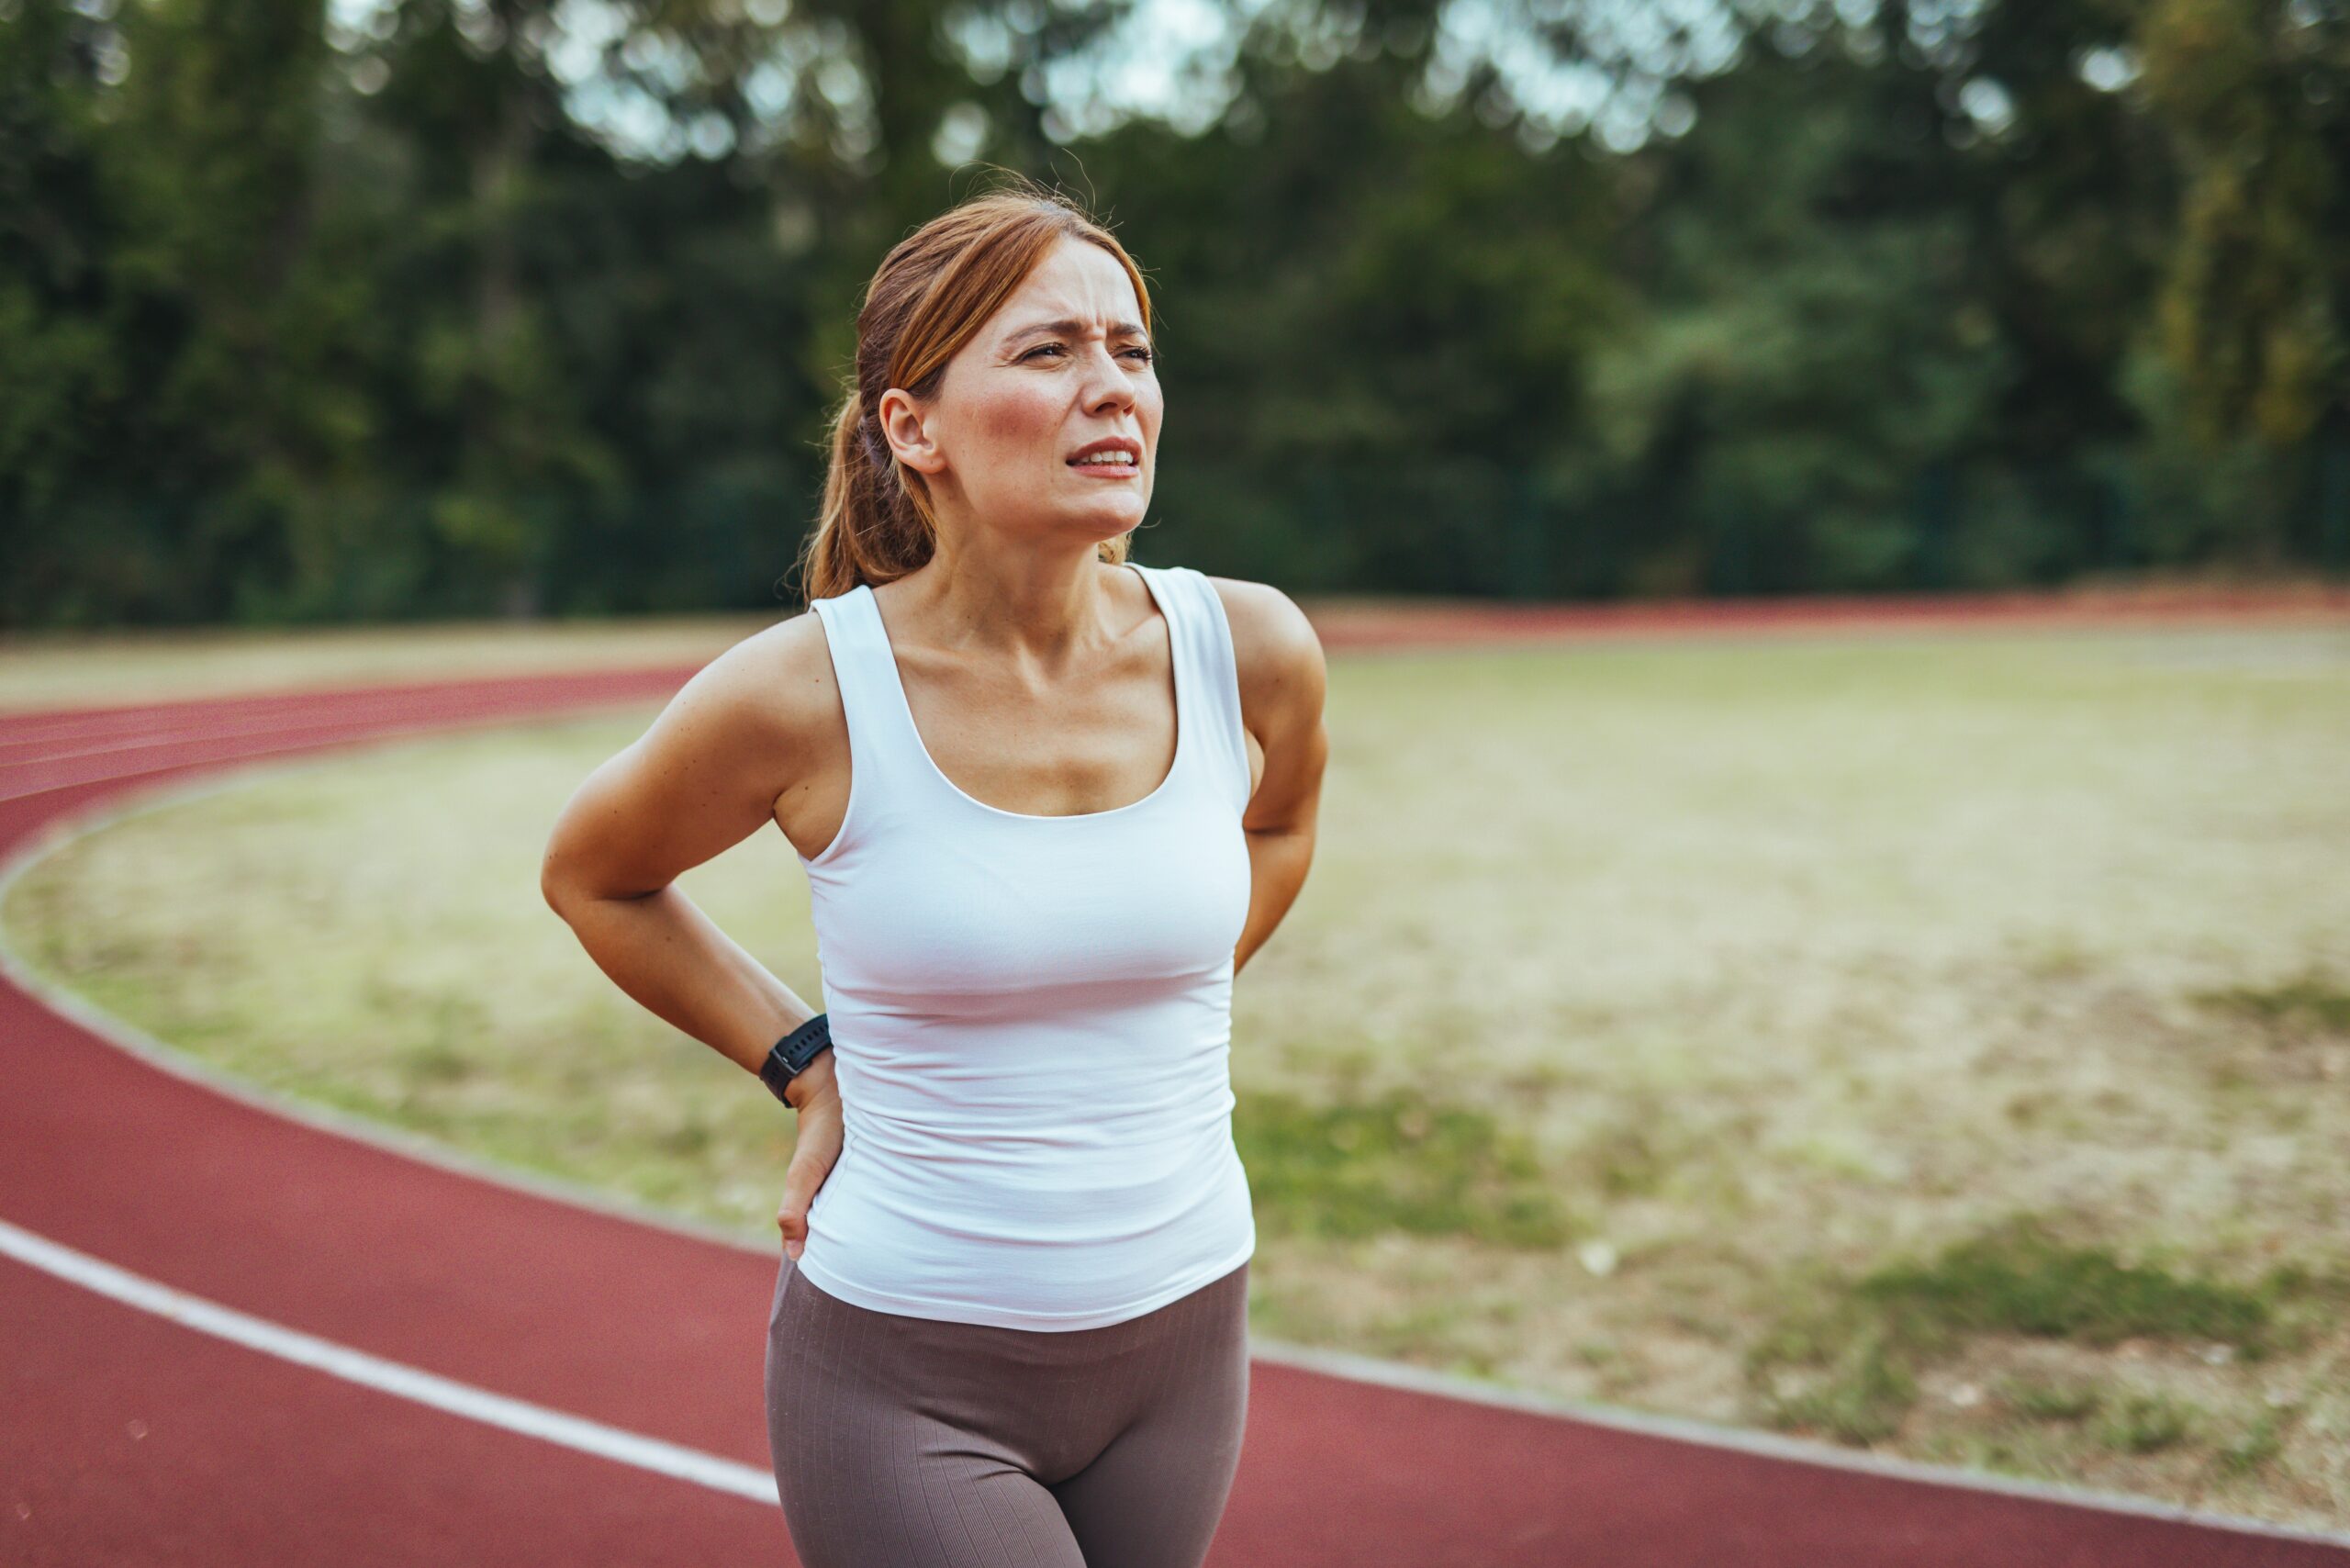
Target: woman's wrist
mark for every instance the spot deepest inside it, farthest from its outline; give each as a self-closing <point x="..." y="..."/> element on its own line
<point x="809" y="1083"/>
<point x="790" y="1057"/>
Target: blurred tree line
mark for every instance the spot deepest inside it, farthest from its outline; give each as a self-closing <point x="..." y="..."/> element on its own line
<point x="459" y="307"/>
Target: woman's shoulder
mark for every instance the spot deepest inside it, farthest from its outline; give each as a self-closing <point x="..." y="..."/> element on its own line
<point x="777" y="682"/>
<point x="1274" y="642"/>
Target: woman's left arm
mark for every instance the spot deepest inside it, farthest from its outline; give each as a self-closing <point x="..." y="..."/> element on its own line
<point x="1283" y="680"/>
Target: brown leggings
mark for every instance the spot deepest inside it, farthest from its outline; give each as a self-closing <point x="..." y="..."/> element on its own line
<point x="910" y="1442"/>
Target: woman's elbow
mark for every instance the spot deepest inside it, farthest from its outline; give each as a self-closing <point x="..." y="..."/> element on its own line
<point x="554" y="884"/>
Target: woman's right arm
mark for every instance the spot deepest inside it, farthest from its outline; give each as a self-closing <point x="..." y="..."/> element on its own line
<point x="704" y="777"/>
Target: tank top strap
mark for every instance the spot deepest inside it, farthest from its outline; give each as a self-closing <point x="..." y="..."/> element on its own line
<point x="1203" y="639"/>
<point x="884" y="746"/>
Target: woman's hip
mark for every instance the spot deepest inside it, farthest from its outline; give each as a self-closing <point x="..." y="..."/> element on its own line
<point x="1046" y="1400"/>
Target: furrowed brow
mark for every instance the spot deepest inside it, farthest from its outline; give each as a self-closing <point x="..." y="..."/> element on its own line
<point x="1071" y="327"/>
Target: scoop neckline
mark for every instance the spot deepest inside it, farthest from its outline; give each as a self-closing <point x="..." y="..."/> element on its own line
<point x="1182" y="725"/>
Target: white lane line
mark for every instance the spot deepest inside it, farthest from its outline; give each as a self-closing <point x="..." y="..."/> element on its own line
<point x="384" y="1376"/>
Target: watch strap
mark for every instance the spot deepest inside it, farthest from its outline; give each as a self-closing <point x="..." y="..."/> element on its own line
<point x="790" y="1056"/>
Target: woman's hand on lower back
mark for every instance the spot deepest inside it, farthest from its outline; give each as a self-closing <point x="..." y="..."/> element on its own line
<point x="815" y="1098"/>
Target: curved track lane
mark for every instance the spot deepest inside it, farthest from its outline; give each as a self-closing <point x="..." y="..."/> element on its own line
<point x="238" y="1332"/>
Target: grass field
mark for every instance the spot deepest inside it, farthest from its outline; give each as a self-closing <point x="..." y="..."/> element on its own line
<point x="1935" y="1043"/>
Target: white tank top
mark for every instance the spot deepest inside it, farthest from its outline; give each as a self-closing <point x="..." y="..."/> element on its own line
<point x="1032" y="1015"/>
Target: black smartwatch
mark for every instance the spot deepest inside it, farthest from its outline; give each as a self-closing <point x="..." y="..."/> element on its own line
<point x="790" y="1056"/>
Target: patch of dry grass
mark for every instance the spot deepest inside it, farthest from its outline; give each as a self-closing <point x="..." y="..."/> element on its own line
<point x="1732" y="980"/>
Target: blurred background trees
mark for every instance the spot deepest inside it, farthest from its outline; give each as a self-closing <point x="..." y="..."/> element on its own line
<point x="382" y="309"/>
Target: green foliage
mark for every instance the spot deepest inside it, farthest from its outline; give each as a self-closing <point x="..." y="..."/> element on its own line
<point x="2312" y="999"/>
<point x="1843" y="1357"/>
<point x="303" y="325"/>
<point x="2144" y="1423"/>
<point x="2049" y="1402"/>
<point x="1394" y="1163"/>
<point x="1813" y="339"/>
<point x="2252" y="309"/>
<point x="2251" y="1449"/>
<point x="2018" y="1280"/>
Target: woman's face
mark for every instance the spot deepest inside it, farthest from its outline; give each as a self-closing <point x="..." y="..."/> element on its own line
<point x="1063" y="365"/>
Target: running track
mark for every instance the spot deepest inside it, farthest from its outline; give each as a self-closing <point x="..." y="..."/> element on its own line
<point x="234" y="1333"/>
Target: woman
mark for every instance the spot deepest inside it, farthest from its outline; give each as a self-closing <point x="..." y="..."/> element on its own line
<point x="1048" y="803"/>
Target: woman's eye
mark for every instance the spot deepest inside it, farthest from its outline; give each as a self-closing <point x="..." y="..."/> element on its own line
<point x="1147" y="354"/>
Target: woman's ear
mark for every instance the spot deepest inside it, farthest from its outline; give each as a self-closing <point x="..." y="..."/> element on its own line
<point x="903" y="428"/>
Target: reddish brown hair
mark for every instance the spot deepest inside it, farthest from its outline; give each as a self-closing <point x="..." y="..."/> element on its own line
<point x="933" y="291"/>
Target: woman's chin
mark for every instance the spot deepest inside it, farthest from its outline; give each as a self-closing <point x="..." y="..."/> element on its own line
<point x="1112" y="516"/>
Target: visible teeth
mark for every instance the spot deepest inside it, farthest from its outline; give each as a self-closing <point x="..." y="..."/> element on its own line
<point x="1108" y="458"/>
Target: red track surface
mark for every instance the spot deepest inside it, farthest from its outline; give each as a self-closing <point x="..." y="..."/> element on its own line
<point x="128" y="1439"/>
